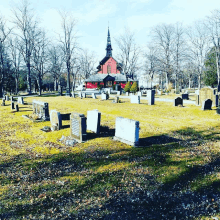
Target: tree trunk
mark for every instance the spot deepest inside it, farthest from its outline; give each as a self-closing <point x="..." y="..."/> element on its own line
<point x="39" y="85"/>
<point x="29" y="78"/>
<point x="16" y="85"/>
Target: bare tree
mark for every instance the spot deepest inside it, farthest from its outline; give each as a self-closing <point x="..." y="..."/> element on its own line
<point x="151" y="64"/>
<point x="16" y="60"/>
<point x="26" y="24"/>
<point x="213" y="25"/>
<point x="179" y="51"/>
<point x="40" y="58"/>
<point x="129" y="53"/>
<point x="4" y="32"/>
<point x="55" y="57"/>
<point x="163" y="36"/>
<point x="68" y="42"/>
<point x="198" y="47"/>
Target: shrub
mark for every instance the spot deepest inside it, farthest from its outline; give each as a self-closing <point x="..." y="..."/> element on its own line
<point x="134" y="87"/>
<point x="127" y="87"/>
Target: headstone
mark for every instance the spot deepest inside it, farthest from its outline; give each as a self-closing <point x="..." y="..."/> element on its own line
<point x="78" y="127"/>
<point x="178" y="101"/>
<point x="185" y="96"/>
<point x="93" y="121"/>
<point x="93" y="95"/>
<point x="139" y="94"/>
<point x="55" y="120"/>
<point x="118" y="92"/>
<point x="80" y="95"/>
<point x="197" y="92"/>
<point x="108" y="90"/>
<point x="197" y="99"/>
<point x="12" y="105"/>
<point x="73" y="95"/>
<point x="117" y="99"/>
<point x="150" y="97"/>
<point x="41" y="109"/>
<point x="20" y="100"/>
<point x="127" y="93"/>
<point x="16" y="108"/>
<point x="3" y="102"/>
<point x="104" y="96"/>
<point x="207" y="93"/>
<point x="84" y="95"/>
<point x="12" y="99"/>
<point x="127" y="131"/>
<point x="207" y="104"/>
<point x="216" y="100"/>
<point x="135" y="99"/>
<point x="7" y="98"/>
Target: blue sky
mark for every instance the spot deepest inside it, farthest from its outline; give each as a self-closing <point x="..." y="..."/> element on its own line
<point x="93" y="17"/>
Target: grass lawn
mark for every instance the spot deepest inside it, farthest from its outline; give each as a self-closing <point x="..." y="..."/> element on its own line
<point x="174" y="174"/>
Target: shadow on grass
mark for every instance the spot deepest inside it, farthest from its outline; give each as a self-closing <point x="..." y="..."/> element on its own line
<point x="127" y="193"/>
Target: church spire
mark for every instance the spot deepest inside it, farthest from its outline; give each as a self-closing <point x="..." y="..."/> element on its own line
<point x="109" y="46"/>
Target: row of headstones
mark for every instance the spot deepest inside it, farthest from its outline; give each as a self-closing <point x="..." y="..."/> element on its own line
<point x="150" y="96"/>
<point x="126" y="130"/>
<point x="13" y="104"/>
<point x="104" y="96"/>
<point x="206" y="105"/>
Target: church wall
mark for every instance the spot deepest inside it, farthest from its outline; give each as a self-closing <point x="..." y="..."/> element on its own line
<point x="111" y="62"/>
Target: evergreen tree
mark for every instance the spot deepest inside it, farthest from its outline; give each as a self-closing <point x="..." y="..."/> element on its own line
<point x="134" y="87"/>
<point x="127" y="87"/>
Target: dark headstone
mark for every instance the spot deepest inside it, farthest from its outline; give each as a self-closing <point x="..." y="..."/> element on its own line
<point x="178" y="101"/>
<point x="207" y="104"/>
<point x="185" y="96"/>
<point x="12" y="105"/>
<point x="16" y="108"/>
<point x="65" y="117"/>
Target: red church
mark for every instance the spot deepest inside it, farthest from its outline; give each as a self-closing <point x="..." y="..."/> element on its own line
<point x="109" y="72"/>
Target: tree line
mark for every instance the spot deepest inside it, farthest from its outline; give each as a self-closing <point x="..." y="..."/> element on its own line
<point x="178" y="55"/>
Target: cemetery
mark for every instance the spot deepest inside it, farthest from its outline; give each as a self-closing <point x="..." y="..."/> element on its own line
<point x="109" y="148"/>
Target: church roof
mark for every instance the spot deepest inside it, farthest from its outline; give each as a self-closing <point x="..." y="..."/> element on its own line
<point x="101" y="77"/>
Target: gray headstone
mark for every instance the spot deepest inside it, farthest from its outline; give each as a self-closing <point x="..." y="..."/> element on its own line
<point x="55" y="120"/>
<point x="207" y="104"/>
<point x="20" y="100"/>
<point x="3" y="102"/>
<point x="197" y="99"/>
<point x="127" y="131"/>
<point x="93" y="121"/>
<point x="150" y="97"/>
<point x="135" y="99"/>
<point x="185" y="96"/>
<point x="84" y="95"/>
<point x="7" y="98"/>
<point x="178" y="101"/>
<point x="41" y="109"/>
<point x="78" y="127"/>
<point x="93" y="95"/>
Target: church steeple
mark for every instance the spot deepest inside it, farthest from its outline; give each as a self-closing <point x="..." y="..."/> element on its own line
<point x="109" y="46"/>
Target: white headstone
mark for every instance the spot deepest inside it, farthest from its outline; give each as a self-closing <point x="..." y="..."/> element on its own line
<point x="118" y="92"/>
<point x="127" y="131"/>
<point x="20" y="100"/>
<point x="135" y="99"/>
<point x="139" y="93"/>
<point x="93" y="95"/>
<point x="104" y="96"/>
<point x="55" y="120"/>
<point x="93" y="121"/>
<point x="150" y="97"/>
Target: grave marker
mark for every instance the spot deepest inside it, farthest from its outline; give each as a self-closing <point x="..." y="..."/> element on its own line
<point x="207" y="104"/>
<point x="135" y="99"/>
<point x="78" y="127"/>
<point x="20" y="100"/>
<point x="178" y="101"/>
<point x="127" y="131"/>
<point x="12" y="105"/>
<point x="41" y="109"/>
<point x="93" y="121"/>
<point x="93" y="95"/>
<point x="104" y="96"/>
<point x="55" y="120"/>
<point x="150" y="96"/>
<point x="16" y="108"/>
<point x="185" y="96"/>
